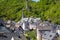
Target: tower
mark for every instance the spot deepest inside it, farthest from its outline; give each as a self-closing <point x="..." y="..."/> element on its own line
<point x="22" y="13"/>
<point x="27" y="5"/>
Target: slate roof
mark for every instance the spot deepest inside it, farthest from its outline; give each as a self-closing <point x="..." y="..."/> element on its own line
<point x="48" y="35"/>
<point x="58" y="27"/>
<point x="44" y="26"/>
<point x="4" y="30"/>
<point x="30" y="21"/>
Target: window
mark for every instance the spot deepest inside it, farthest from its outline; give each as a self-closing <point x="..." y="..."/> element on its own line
<point x="50" y="35"/>
<point x="44" y="34"/>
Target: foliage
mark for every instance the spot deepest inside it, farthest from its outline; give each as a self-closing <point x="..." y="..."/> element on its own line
<point x="31" y="34"/>
<point x="45" y="9"/>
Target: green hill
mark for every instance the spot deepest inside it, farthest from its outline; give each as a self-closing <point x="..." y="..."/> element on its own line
<point x="45" y="9"/>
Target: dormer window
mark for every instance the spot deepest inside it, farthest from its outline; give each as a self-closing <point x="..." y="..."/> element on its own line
<point x="50" y="35"/>
<point x="44" y="34"/>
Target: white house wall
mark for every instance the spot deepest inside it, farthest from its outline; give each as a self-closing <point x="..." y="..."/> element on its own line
<point x="58" y="31"/>
<point x="23" y="26"/>
<point x="32" y="26"/>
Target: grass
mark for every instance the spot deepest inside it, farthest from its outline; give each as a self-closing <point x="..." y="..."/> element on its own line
<point x="31" y="34"/>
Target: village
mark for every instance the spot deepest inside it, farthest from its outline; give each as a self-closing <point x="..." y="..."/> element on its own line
<point x="45" y="30"/>
<point x="10" y="30"/>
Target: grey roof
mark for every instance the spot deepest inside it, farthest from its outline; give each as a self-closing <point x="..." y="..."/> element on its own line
<point x="49" y="35"/>
<point x="44" y="26"/>
<point x="31" y="21"/>
<point x="48" y="26"/>
<point x="4" y="30"/>
<point x="58" y="27"/>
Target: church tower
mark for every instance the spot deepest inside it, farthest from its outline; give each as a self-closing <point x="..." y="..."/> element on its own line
<point x="22" y="13"/>
<point x="27" y="5"/>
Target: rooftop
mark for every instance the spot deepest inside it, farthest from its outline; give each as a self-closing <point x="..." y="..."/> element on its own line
<point x="49" y="35"/>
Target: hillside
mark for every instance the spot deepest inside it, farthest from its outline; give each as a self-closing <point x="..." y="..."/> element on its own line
<point x="45" y="9"/>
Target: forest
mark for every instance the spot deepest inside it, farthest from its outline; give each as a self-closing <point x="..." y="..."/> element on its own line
<point x="44" y="9"/>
